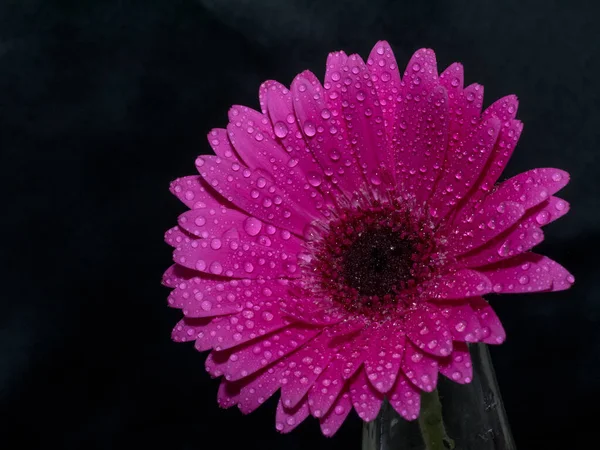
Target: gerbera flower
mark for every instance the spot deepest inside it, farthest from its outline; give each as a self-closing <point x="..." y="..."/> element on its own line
<point x="338" y="245"/>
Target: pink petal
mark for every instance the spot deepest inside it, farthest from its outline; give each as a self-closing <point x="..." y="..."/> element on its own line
<point x="532" y="187"/>
<point x="303" y="368"/>
<point x="505" y="145"/>
<point x="232" y="258"/>
<point x="228" y="394"/>
<point x="492" y="331"/>
<point x="204" y="297"/>
<point x="324" y="392"/>
<point x="421" y="134"/>
<point x="365" y="122"/>
<point x="504" y="109"/>
<point x="175" y="275"/>
<point x="362" y="346"/>
<point x="386" y="79"/>
<point x="219" y="141"/>
<point x="475" y="228"/>
<point x="192" y="192"/>
<point x="420" y="368"/>
<point x="561" y="278"/>
<point x="365" y="398"/>
<point x="527" y="272"/>
<point x="462" y="322"/>
<point x="464" y="164"/>
<point x="253" y="193"/>
<point x="458" y="367"/>
<point x="258" y="318"/>
<point x="426" y="328"/>
<point x="188" y="329"/>
<point x="288" y="419"/>
<point x="405" y="398"/>
<point x="260" y="388"/>
<point x="242" y="361"/>
<point x="175" y="236"/>
<point x="382" y="364"/>
<point x="312" y="311"/>
<point x="325" y="133"/>
<point x="458" y="285"/>
<point x="453" y="78"/>
<point x="334" y="419"/>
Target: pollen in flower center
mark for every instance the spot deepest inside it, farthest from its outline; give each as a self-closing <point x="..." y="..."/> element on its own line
<point x="371" y="256"/>
<point x="378" y="262"/>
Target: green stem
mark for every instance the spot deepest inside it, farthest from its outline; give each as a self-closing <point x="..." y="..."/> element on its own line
<point x="431" y="423"/>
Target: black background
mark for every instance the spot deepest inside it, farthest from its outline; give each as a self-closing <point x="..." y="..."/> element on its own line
<point x="103" y="103"/>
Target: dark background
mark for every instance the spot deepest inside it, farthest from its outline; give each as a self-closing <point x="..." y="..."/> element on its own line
<point x="103" y="103"/>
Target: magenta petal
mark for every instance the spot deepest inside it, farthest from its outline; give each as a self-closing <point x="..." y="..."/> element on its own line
<point x="361" y="348"/>
<point x="175" y="275"/>
<point x="426" y="328"/>
<point x="365" y="398"/>
<point x="325" y="133"/>
<point x="464" y="164"/>
<point x="487" y="221"/>
<point x="201" y="297"/>
<point x="527" y="272"/>
<point x="192" y="193"/>
<point x="458" y="367"/>
<point x="324" y="392"/>
<point x="232" y="258"/>
<point x="405" y="398"/>
<point x="382" y="364"/>
<point x="462" y="322"/>
<point x="532" y="187"/>
<point x="288" y="419"/>
<point x="504" y="109"/>
<point x="228" y="394"/>
<point x="365" y="123"/>
<point x="188" y="329"/>
<point x="420" y="368"/>
<point x="336" y="416"/>
<point x="175" y="236"/>
<point x="386" y="79"/>
<point x="260" y="388"/>
<point x="561" y="278"/>
<point x="242" y="361"/>
<point x="303" y="368"/>
<point x="312" y="312"/>
<point x="254" y="193"/>
<point x="453" y="78"/>
<point x="492" y="331"/>
<point x="457" y="285"/>
<point x="219" y="141"/>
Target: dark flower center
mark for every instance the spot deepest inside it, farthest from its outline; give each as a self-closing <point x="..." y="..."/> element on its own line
<point x="378" y="262"/>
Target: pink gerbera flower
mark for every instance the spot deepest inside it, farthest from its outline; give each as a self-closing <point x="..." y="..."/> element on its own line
<point x="338" y="245"/>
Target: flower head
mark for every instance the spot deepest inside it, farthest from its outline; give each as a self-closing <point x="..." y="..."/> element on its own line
<point x="338" y="245"/>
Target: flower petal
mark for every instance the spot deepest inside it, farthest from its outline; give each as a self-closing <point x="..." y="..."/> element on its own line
<point x="192" y="192"/>
<point x="252" y="192"/>
<point x="188" y="329"/>
<point x="244" y="360"/>
<point x="325" y="132"/>
<point x="286" y="419"/>
<point x="421" y="134"/>
<point x="532" y="187"/>
<point x="365" y="398"/>
<point x="303" y="368"/>
<point x="458" y="367"/>
<point x="420" y="368"/>
<point x="324" y="392"/>
<point x="475" y="228"/>
<point x="386" y="79"/>
<point x="405" y="398"/>
<point x="492" y="331"/>
<point x="175" y="275"/>
<point x="458" y="285"/>
<point x="228" y="394"/>
<point x="219" y="142"/>
<point x="426" y="328"/>
<point x="333" y="420"/>
<point x="365" y="123"/>
<point x="527" y="272"/>
<point x="205" y="297"/>
<point x="462" y="322"/>
<point x="464" y="164"/>
<point x="260" y="387"/>
<point x="382" y="364"/>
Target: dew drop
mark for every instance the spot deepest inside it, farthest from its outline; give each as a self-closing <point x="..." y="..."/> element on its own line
<point x="252" y="226"/>
<point x="309" y="128"/>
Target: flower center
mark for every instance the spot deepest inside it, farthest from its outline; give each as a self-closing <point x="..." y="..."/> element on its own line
<point x="371" y="257"/>
<point x="378" y="262"/>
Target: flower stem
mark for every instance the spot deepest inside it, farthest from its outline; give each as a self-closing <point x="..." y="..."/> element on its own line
<point x="431" y="423"/>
